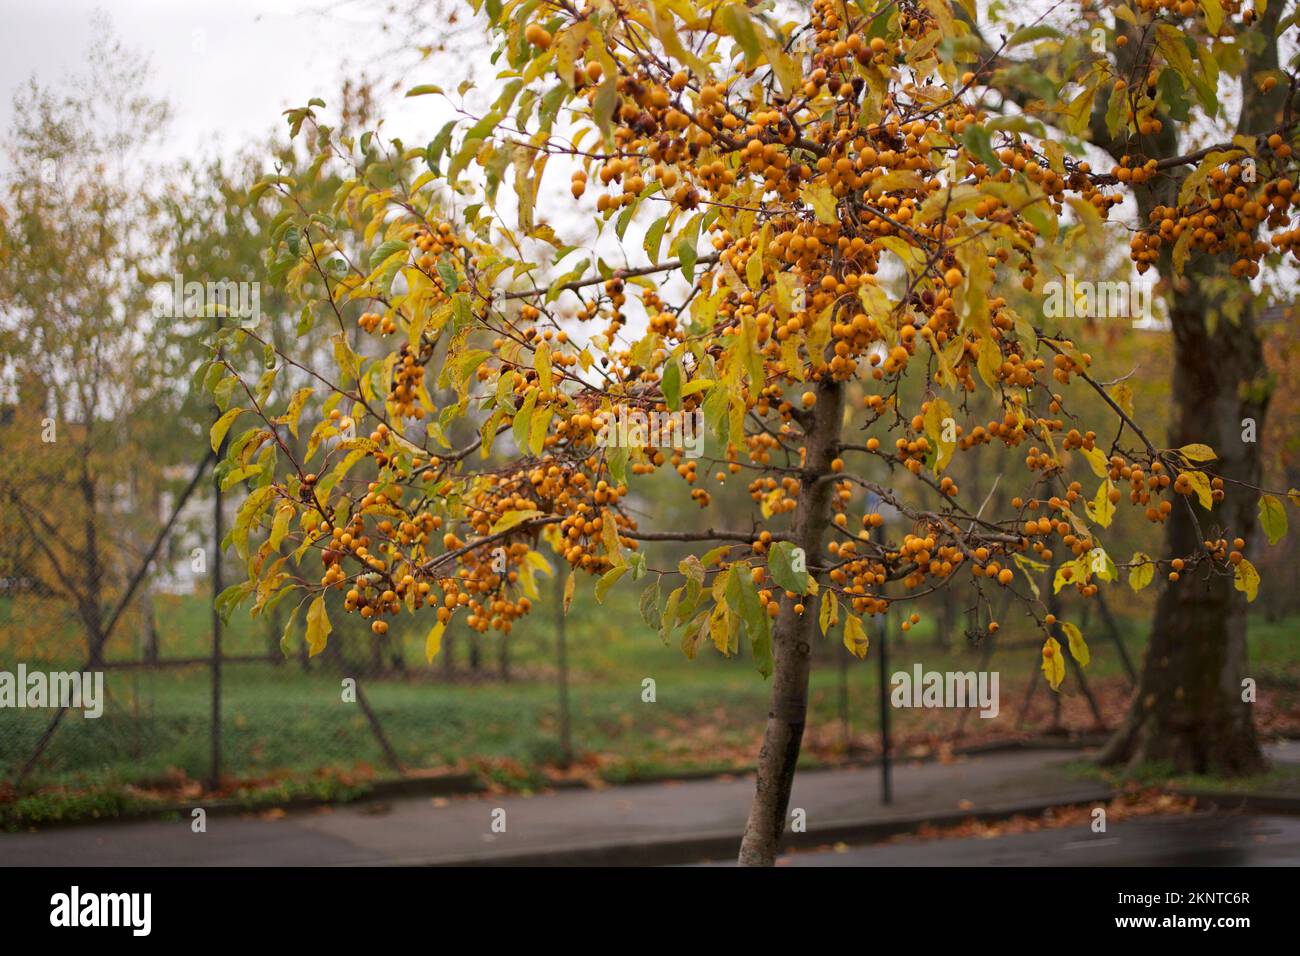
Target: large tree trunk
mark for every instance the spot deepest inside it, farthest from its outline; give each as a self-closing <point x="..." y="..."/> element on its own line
<point x="1188" y="710"/>
<point x="792" y="640"/>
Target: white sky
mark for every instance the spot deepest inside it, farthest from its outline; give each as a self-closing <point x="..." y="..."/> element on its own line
<point x="228" y="67"/>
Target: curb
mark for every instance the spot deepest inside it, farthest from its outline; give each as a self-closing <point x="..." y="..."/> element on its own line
<point x="1255" y="802"/>
<point x="713" y="846"/>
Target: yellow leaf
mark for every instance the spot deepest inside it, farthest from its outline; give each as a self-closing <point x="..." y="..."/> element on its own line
<point x="318" y="626"/>
<point x="1247" y="579"/>
<point x="1123" y="396"/>
<point x="280" y="527"/>
<point x="1143" y="570"/>
<point x="1053" y="663"/>
<point x="1213" y="15"/>
<point x="291" y="415"/>
<point x="1078" y="647"/>
<point x="855" y="636"/>
<point x="513" y="518"/>
<point x="542" y="362"/>
<point x="221" y="426"/>
<point x="1201" y="485"/>
<point x="609" y="537"/>
<point x="719" y="632"/>
<point x="938" y="423"/>
<point x="1096" y="461"/>
<point x="569" y="584"/>
<point x="537" y="430"/>
<point x="823" y="203"/>
<point x="829" y="613"/>
<point x="1196" y="452"/>
<point x="1101" y="509"/>
<point x="433" y="643"/>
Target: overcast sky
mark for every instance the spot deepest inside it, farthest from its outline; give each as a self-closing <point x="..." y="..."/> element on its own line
<point x="228" y="67"/>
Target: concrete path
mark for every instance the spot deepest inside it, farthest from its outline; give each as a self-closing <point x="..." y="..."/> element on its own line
<point x="650" y="823"/>
<point x="646" y="824"/>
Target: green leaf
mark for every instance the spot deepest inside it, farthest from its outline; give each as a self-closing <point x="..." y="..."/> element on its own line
<point x="672" y="385"/>
<point x="980" y="145"/>
<point x="649" y="603"/>
<point x="782" y="559"/>
<point x="742" y="596"/>
<point x="1029" y="34"/>
<point x="608" y="580"/>
<point x="523" y="421"/>
<point x="1272" y="518"/>
<point x="668" y="623"/>
<point x="603" y="106"/>
<point x="654" y="237"/>
<point x="616" y="460"/>
<point x="390" y="248"/>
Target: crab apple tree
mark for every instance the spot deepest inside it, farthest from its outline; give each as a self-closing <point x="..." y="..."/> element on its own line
<point x="829" y="223"/>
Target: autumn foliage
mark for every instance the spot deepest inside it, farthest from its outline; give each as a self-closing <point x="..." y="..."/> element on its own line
<point x="832" y="225"/>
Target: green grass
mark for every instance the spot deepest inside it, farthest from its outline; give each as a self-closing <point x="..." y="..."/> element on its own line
<point x="281" y="722"/>
<point x="1281" y="778"/>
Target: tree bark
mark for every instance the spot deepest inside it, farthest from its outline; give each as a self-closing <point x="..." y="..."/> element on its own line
<point x="1188" y="710"/>
<point x="792" y="643"/>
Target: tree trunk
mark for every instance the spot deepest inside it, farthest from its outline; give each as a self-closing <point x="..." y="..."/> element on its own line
<point x="792" y="643"/>
<point x="1188" y="709"/>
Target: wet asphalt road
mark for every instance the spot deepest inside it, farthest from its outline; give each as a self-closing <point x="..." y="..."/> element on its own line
<point x="1203" y="839"/>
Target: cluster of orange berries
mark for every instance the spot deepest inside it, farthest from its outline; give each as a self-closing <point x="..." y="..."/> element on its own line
<point x="1227" y="221"/>
<point x="370" y="321"/>
<point x="1190" y="8"/>
<point x="480" y="585"/>
<point x="388" y="580"/>
<point x="1065" y="365"/>
<point x="408" y="379"/>
<point x="781" y="497"/>
<point x="433" y="243"/>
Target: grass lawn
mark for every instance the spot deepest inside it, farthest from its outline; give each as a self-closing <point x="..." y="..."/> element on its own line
<point x="286" y="723"/>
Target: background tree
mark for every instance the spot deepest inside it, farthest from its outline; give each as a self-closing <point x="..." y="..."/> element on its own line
<point x="864" y="223"/>
<point x="1190" y="105"/>
<point x="83" y="455"/>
